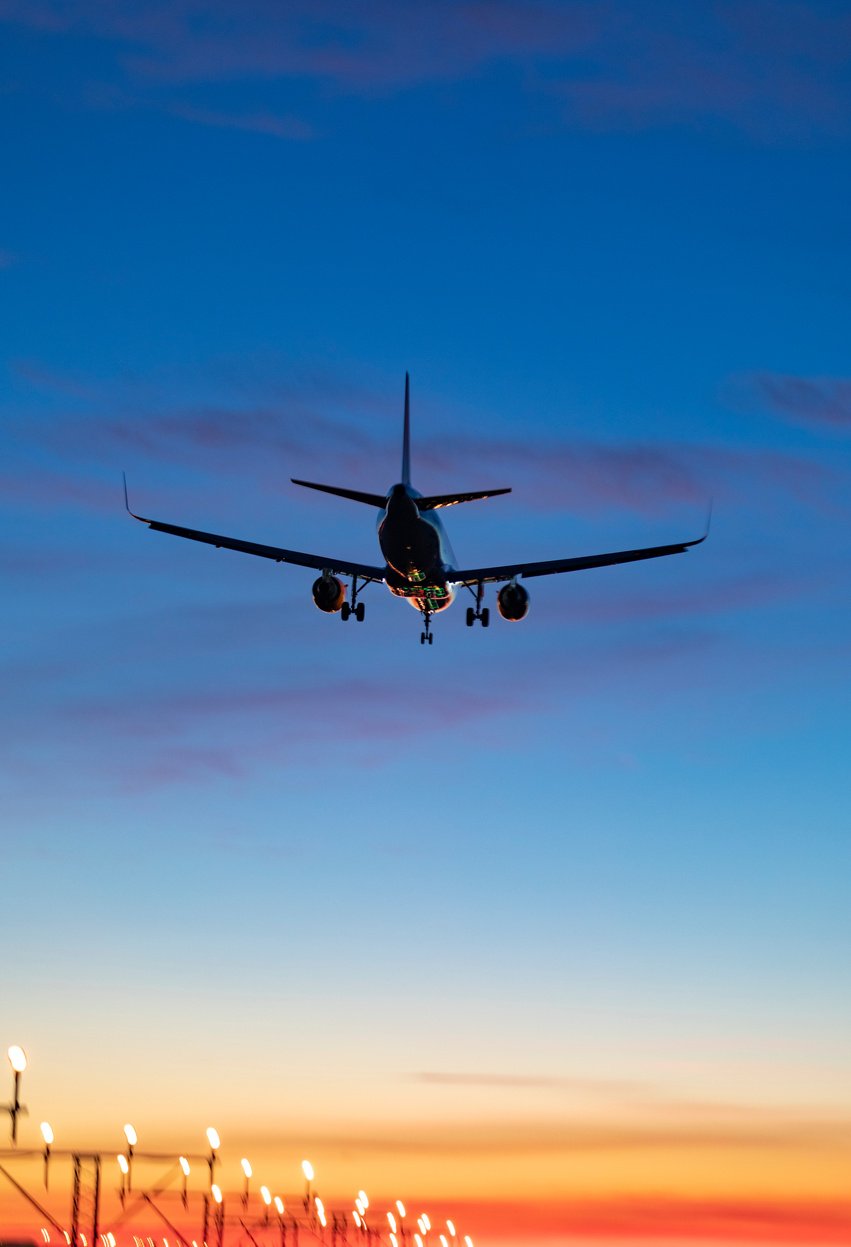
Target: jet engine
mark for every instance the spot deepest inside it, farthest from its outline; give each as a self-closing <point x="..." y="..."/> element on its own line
<point x="513" y="602"/>
<point x="328" y="593"/>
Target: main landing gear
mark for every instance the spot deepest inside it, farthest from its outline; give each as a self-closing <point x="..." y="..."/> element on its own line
<point x="354" y="607"/>
<point x="478" y="611"/>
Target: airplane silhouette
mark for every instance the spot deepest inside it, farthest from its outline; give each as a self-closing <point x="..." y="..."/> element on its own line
<point x="419" y="563"/>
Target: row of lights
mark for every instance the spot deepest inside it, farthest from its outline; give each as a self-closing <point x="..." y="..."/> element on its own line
<point x="18" y="1061"/>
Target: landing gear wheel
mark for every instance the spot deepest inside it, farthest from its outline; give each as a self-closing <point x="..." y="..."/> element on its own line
<point x="471" y="616"/>
<point x="486" y="617"/>
<point x="430" y="637"/>
<point x="345" y="611"/>
<point x="422" y="638"/>
<point x="359" y="612"/>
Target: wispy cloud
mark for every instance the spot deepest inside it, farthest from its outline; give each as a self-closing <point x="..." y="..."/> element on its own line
<point x="276" y="125"/>
<point x="769" y="69"/>
<point x="812" y="402"/>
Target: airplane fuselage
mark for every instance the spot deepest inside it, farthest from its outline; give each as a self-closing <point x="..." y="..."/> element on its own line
<point x="416" y="548"/>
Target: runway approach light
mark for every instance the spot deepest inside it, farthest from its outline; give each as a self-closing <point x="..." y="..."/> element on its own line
<point x="266" y="1195"/>
<point x="213" y="1138"/>
<point x="307" y="1170"/>
<point x="400" y="1208"/>
<point x="216" y="1192"/>
<point x="450" y="1225"/>
<point x="391" y="1221"/>
<point x="363" y="1199"/>
<point x="123" y="1164"/>
<point x="279" y="1205"/>
<point x="246" y="1167"/>
<point x="320" y="1212"/>
<point x="130" y="1135"/>
<point x="184" y="1165"/>
<point x="46" y="1132"/>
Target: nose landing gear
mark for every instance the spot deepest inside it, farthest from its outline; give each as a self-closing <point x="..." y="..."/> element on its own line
<point x="426" y="637"/>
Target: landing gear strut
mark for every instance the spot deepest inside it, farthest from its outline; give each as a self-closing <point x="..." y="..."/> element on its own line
<point x="478" y="611"/>
<point x="354" y="607"/>
<point x="426" y="637"/>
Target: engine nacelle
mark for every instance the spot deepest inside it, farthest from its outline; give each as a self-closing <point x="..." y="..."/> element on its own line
<point x="328" y="593"/>
<point x="513" y="602"/>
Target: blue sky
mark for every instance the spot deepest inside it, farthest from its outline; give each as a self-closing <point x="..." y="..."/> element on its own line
<point x="611" y="245"/>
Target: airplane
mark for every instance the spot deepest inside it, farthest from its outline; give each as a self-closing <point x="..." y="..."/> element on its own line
<point x="419" y="565"/>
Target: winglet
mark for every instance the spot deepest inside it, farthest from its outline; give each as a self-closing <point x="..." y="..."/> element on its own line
<point x="127" y="503"/>
<point x="406" y="438"/>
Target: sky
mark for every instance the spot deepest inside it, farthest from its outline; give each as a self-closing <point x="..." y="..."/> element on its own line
<point x="545" y="926"/>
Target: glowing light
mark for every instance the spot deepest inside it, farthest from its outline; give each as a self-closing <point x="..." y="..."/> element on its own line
<point x="359" y="1206"/>
<point x="130" y="1135"/>
<point x="110" y="1238"/>
<point x="46" y="1132"/>
<point x="391" y="1221"/>
<point x="45" y="1234"/>
<point x="279" y="1204"/>
<point x="84" y="1240"/>
<point x="400" y="1207"/>
<point x="450" y="1225"/>
<point x="426" y="1221"/>
<point x="444" y="1240"/>
<point x="216" y="1192"/>
<point x="213" y="1138"/>
<point x="266" y="1195"/>
<point x="418" y="1240"/>
<point x="122" y="1163"/>
<point x="246" y="1167"/>
<point x="468" y="1242"/>
<point x="363" y="1199"/>
<point x="357" y="1220"/>
<point x="17" y="1058"/>
<point x="308" y="1170"/>
<point x="421" y="1225"/>
<point x="394" y="1240"/>
<point x="320" y="1212"/>
<point x="184" y="1165"/>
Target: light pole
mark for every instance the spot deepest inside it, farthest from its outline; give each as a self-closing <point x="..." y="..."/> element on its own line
<point x="47" y="1134"/>
<point x="124" y="1166"/>
<point x="18" y="1062"/>
<point x="266" y="1196"/>
<point x="309" y="1174"/>
<point x="215" y="1143"/>
<point x="220" y="1212"/>
<point x="184" y="1168"/>
<point x="132" y="1139"/>
<point x="247" y="1170"/>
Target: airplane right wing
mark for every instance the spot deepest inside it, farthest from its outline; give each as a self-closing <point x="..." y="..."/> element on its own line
<point x="278" y="554"/>
<point x="481" y="575"/>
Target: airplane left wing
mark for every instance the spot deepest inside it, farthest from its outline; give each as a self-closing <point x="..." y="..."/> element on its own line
<point x="278" y="554"/>
<point x="481" y="575"/>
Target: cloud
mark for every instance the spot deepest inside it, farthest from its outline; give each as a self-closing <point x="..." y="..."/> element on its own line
<point x="767" y="68"/>
<point x="822" y="403"/>
<point x="274" y="124"/>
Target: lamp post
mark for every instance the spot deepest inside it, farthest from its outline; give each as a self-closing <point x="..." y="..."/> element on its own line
<point x="132" y="1139"/>
<point x="18" y="1062"/>
<point x="215" y="1143"/>
<point x="266" y="1196"/>
<point x="220" y="1212"/>
<point x="124" y="1166"/>
<point x="309" y="1174"/>
<point x="184" y="1168"/>
<point x="47" y="1134"/>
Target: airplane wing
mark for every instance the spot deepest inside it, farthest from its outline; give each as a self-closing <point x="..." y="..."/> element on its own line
<point x="343" y="567"/>
<point x="480" y="575"/>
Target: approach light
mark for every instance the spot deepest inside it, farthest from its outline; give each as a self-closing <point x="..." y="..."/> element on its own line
<point x="46" y="1132"/>
<point x="184" y="1165"/>
<point x="308" y="1170"/>
<point x="213" y="1138"/>
<point x="400" y="1208"/>
<point x="130" y="1135"/>
<point x="450" y="1225"/>
<point x="123" y="1163"/>
<point x="216" y="1192"/>
<point x="320" y="1212"/>
<point x="363" y="1199"/>
<point x="279" y="1205"/>
<point x="391" y="1221"/>
<point x="266" y="1195"/>
<point x="246" y="1167"/>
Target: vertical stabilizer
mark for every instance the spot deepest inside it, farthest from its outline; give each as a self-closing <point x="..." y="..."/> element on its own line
<point x="406" y="438"/>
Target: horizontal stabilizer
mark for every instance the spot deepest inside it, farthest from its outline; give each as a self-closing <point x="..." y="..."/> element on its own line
<point x="356" y="495"/>
<point x="436" y="501"/>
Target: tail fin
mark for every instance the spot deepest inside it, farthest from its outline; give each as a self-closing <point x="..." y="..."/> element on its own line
<point x="406" y="437"/>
